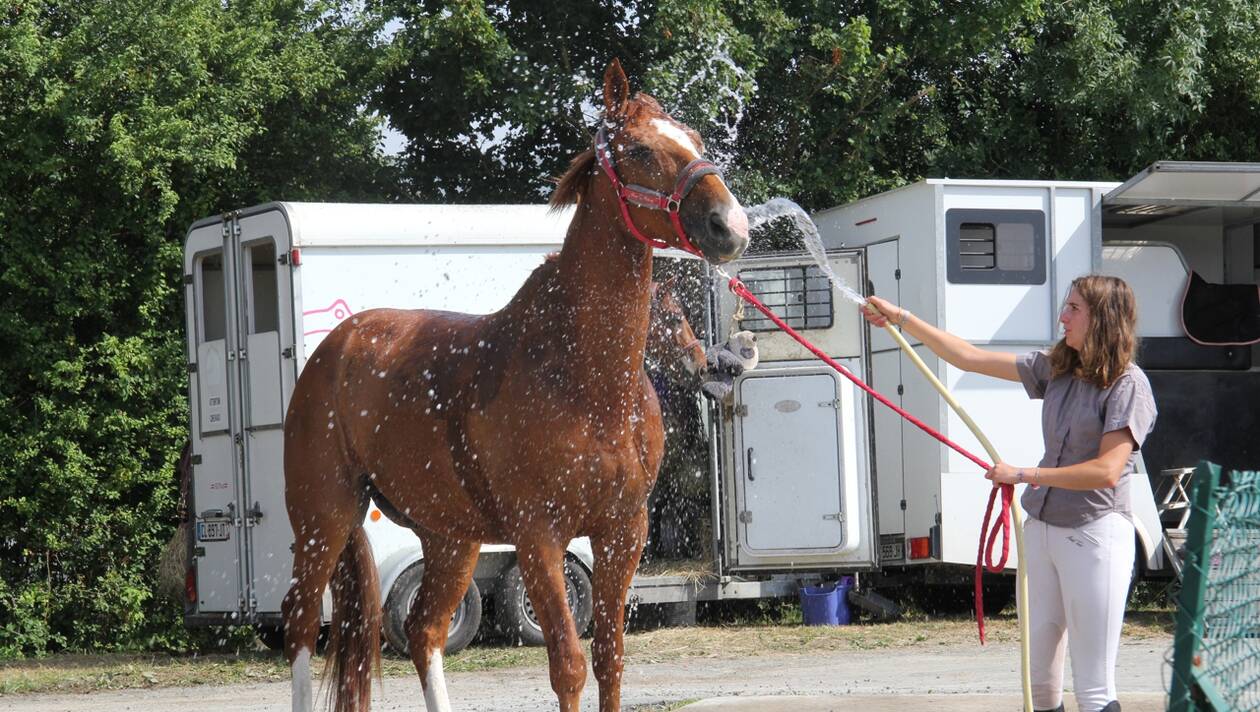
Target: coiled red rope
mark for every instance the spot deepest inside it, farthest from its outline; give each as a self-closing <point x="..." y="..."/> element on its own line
<point x="984" y="557"/>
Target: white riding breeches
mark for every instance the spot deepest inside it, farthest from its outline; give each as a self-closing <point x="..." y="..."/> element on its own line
<point x="1078" y="583"/>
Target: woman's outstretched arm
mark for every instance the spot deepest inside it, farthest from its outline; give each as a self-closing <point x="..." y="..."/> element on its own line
<point x="956" y="351"/>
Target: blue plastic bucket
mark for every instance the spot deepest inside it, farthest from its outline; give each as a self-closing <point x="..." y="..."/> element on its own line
<point x="843" y="614"/>
<point x="826" y="604"/>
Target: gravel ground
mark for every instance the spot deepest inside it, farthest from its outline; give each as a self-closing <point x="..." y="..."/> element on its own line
<point x="944" y="678"/>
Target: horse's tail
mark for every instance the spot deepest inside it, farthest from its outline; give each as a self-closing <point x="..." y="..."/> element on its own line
<point x="354" y="643"/>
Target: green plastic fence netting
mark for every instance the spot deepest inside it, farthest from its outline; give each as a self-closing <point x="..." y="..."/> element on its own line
<point x="1216" y="651"/>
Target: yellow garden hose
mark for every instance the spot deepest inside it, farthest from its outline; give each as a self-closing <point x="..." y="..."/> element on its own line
<point x="1021" y="580"/>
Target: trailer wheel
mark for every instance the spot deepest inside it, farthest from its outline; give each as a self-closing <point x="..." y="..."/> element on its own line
<point x="271" y="636"/>
<point x="958" y="599"/>
<point x="464" y="622"/>
<point x="514" y="613"/>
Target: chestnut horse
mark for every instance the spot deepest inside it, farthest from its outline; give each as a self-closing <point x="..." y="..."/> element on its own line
<point x="530" y="426"/>
<point x="673" y="349"/>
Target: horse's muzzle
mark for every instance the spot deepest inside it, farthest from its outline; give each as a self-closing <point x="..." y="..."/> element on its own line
<point x="723" y="234"/>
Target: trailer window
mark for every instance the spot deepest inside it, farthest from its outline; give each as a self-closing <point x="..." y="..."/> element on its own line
<point x="264" y="310"/>
<point x="996" y="246"/>
<point x="800" y="295"/>
<point x="213" y="306"/>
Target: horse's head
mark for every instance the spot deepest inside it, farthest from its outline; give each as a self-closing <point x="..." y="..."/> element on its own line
<point x="668" y="194"/>
<point x="672" y="347"/>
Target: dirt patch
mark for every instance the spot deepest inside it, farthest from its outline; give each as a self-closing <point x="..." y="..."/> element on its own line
<point x="83" y="673"/>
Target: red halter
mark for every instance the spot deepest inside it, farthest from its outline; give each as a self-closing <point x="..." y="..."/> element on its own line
<point x="656" y="200"/>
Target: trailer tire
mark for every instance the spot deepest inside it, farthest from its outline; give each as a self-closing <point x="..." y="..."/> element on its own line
<point x="514" y="614"/>
<point x="271" y="636"/>
<point x="959" y="599"/>
<point x="464" y="623"/>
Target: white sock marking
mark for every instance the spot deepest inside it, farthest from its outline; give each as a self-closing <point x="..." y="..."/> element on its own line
<point x="677" y="135"/>
<point x="301" y="673"/>
<point x="435" y="699"/>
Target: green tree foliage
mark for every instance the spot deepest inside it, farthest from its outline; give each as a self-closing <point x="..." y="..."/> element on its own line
<point x="120" y="123"/>
<point x="826" y="101"/>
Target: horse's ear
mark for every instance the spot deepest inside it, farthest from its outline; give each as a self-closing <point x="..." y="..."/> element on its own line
<point x="616" y="90"/>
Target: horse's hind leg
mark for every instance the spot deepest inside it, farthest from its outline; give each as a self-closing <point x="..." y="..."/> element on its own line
<point x="448" y="567"/>
<point x="322" y="518"/>
<point x="542" y="568"/>
<point x="616" y="558"/>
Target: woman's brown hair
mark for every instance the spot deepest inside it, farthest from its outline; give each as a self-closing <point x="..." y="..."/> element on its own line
<point x="1111" y="340"/>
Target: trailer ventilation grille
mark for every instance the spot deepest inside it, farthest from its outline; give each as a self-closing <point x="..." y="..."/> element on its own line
<point x="799" y="295"/>
<point x="977" y="246"/>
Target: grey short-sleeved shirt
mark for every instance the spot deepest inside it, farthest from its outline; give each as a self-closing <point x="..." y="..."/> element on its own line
<point x="1074" y="416"/>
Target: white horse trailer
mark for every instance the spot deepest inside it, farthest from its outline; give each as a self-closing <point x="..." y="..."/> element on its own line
<point x="263" y="287"/>
<point x="991" y="261"/>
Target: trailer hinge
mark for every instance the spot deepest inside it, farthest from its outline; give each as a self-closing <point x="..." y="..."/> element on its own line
<point x="288" y="352"/>
<point x="745" y="517"/>
<point x="897" y="273"/>
<point x="192" y="366"/>
<point x="830" y="404"/>
<point x="188" y="279"/>
<point x="741" y="410"/>
<point x="901" y="390"/>
<point x="838" y="516"/>
<point x="255" y="515"/>
<point x="196" y="459"/>
<point x="237" y="439"/>
<point x="903" y="505"/>
<point x="283" y="258"/>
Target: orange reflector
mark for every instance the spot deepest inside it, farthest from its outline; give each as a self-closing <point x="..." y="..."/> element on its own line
<point x="190" y="584"/>
<point x="375" y="515"/>
<point x="920" y="547"/>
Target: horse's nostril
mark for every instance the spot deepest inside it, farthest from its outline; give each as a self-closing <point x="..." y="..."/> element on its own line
<point x="717" y="224"/>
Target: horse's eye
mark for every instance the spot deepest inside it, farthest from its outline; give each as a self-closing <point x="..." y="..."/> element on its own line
<point x="639" y="152"/>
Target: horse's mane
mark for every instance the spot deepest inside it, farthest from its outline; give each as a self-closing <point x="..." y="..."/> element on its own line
<point x="571" y="185"/>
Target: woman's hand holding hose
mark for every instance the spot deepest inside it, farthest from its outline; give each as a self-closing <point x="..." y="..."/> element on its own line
<point x="881" y="312"/>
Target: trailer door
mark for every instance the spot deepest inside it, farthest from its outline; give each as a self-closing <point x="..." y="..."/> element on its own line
<point x="213" y="379"/>
<point x="797" y="480"/>
<point x="790" y="436"/>
<point x="268" y="374"/>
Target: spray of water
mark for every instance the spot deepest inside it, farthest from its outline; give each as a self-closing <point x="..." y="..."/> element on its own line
<point x="718" y="75"/>
<point x="783" y="208"/>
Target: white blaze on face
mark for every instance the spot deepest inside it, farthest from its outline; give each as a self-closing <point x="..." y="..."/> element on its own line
<point x="435" y="699"/>
<point x="677" y="135"/>
<point x="301" y="673"/>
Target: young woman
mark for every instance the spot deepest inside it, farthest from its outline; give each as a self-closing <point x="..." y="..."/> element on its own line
<point x="1079" y="540"/>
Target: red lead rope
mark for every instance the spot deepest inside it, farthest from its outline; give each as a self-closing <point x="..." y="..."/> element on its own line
<point x="984" y="557"/>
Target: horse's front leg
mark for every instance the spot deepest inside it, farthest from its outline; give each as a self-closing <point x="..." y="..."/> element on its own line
<point x="542" y="568"/>
<point x="616" y="558"/>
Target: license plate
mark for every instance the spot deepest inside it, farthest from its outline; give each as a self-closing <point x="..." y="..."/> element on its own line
<point x="213" y="530"/>
<point x="892" y="550"/>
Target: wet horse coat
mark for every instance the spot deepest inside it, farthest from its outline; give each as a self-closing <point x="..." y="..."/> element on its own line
<point x="530" y="426"/>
